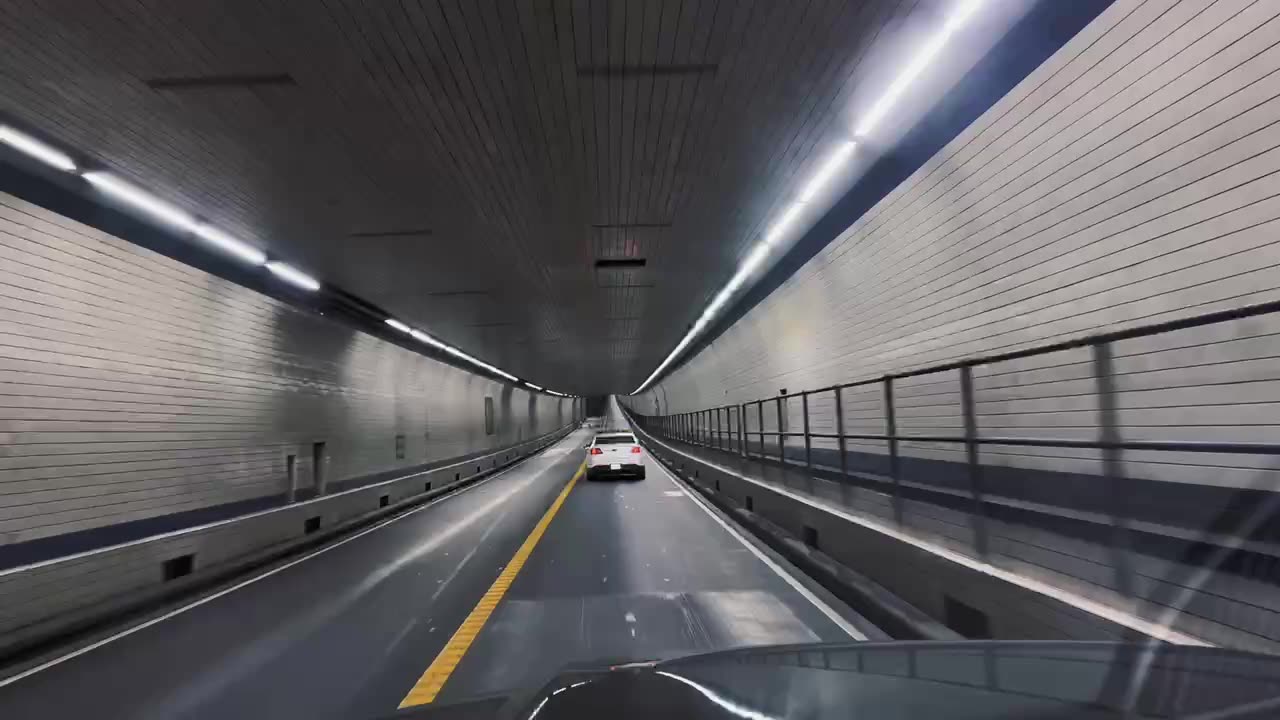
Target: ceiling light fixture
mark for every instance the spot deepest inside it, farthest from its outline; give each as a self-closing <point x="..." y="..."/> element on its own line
<point x="225" y="242"/>
<point x="828" y="170"/>
<point x="34" y="148"/>
<point x="784" y="223"/>
<point x="479" y="363"/>
<point x="425" y="338"/>
<point x="964" y="9"/>
<point x="141" y="200"/>
<point x="535" y="387"/>
<point x="293" y="276"/>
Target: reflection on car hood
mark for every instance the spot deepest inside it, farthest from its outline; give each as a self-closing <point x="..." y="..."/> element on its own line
<point x="979" y="679"/>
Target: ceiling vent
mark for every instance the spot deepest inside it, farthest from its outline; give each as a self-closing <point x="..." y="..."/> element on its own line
<point x="674" y="69"/>
<point x="210" y="82"/>
<point x="619" y="263"/>
<point x="406" y="232"/>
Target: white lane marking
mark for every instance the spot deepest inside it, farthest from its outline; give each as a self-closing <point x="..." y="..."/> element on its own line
<point x="399" y="637"/>
<point x="630" y="617"/>
<point x="210" y="598"/>
<point x="673" y="493"/>
<point x="795" y="584"/>
<point x="467" y="558"/>
<point x="1093" y="607"/>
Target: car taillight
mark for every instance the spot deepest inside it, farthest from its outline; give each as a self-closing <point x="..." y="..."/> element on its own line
<point x="597" y="451"/>
<point x="635" y="449"/>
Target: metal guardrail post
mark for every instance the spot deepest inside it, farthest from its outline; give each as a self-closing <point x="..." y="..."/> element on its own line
<point x="808" y="443"/>
<point x="742" y="428"/>
<point x="978" y="515"/>
<point x="760" y="426"/>
<point x="719" y="431"/>
<point x="891" y="432"/>
<point x="840" y="441"/>
<point x="782" y="439"/>
<point x="1108" y="434"/>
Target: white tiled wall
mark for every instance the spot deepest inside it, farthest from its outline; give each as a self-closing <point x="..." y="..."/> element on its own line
<point x="1130" y="179"/>
<point x="133" y="386"/>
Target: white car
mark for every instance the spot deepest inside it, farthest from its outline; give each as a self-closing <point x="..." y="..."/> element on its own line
<point x="615" y="454"/>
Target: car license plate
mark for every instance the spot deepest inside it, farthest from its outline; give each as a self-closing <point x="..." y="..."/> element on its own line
<point x="615" y="466"/>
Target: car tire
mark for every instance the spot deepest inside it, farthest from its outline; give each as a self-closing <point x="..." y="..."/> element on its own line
<point x="641" y="474"/>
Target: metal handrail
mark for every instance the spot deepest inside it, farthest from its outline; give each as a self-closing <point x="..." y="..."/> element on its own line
<point x="706" y="427"/>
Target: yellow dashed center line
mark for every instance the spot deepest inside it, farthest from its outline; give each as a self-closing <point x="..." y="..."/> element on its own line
<point x="438" y="672"/>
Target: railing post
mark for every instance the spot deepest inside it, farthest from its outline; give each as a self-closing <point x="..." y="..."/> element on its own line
<point x="782" y="439"/>
<point x="891" y="431"/>
<point x="742" y="428"/>
<point x="977" y="513"/>
<point x="840" y="441"/>
<point x="808" y="444"/>
<point x="760" y="425"/>
<point x="719" y="432"/>
<point x="1109" y="436"/>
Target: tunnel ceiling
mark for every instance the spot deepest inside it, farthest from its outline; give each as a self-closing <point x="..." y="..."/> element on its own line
<point x="557" y="188"/>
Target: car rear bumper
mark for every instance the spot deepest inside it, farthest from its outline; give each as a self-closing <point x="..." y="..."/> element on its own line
<point x="624" y="470"/>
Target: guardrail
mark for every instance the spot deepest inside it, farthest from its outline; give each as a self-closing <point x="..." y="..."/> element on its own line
<point x="741" y="428"/>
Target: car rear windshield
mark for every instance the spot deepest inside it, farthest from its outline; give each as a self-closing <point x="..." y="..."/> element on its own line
<point x="615" y="440"/>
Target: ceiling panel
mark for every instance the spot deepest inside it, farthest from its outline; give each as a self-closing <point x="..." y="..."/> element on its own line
<point x="465" y="164"/>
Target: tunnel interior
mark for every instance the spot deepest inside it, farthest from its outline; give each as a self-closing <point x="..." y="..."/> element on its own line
<point x="928" y="338"/>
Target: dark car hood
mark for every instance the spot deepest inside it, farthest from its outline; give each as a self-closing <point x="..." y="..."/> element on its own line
<point x="978" y="679"/>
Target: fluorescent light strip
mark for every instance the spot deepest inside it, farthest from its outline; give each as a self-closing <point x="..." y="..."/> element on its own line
<point x="140" y="199"/>
<point x="225" y="242"/>
<point x="34" y="148"/>
<point x="784" y="223"/>
<point x="535" y="387"/>
<point x="829" y="169"/>
<point x="293" y="276"/>
<point x="917" y="65"/>
<point x="425" y="338"/>
<point x="161" y="210"/>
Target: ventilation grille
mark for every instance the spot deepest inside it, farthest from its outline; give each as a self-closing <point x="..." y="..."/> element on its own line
<point x="200" y="82"/>
<point x="406" y="232"/>
<point x="620" y="263"/>
<point x="677" y="69"/>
